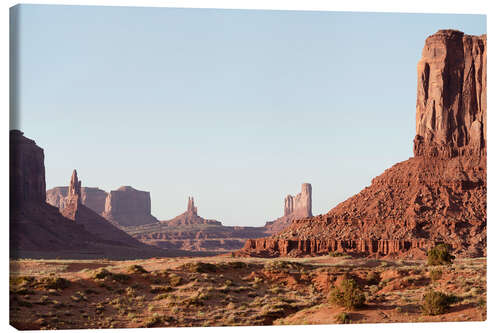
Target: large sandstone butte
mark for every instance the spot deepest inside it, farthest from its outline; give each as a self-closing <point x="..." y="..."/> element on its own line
<point x="439" y="195"/>
<point x="39" y="230"/>
<point x="92" y="197"/>
<point x="298" y="206"/>
<point x="128" y="207"/>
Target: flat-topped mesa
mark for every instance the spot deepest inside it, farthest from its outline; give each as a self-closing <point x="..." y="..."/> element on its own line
<point x="27" y="170"/>
<point x="301" y="204"/>
<point x="191" y="207"/>
<point x="451" y="96"/>
<point x="128" y="207"/>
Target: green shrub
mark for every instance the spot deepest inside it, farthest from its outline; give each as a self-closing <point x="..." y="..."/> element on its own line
<point x="343" y="318"/>
<point x="435" y="274"/>
<point x="348" y="295"/>
<point x="439" y="255"/>
<point x="436" y="303"/>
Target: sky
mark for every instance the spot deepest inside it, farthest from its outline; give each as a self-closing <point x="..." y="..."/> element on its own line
<point x="234" y="107"/>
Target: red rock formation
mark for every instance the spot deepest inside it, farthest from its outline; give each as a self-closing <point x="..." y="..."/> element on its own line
<point x="190" y="217"/>
<point x="451" y="95"/>
<point x="190" y="232"/>
<point x="128" y="207"/>
<point x="437" y="196"/>
<point x="27" y="170"/>
<point x="295" y="207"/>
<point x="38" y="230"/>
<point x="92" y="197"/>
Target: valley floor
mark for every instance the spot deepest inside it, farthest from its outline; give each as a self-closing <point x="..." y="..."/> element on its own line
<point x="226" y="291"/>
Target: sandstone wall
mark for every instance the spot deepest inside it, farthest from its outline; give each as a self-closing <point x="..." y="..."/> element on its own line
<point x="437" y="196"/>
<point x="299" y="205"/>
<point x="27" y="170"/>
<point x="128" y="207"/>
<point x="451" y="95"/>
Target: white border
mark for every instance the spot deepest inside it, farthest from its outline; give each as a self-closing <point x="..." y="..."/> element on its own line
<point x="421" y="6"/>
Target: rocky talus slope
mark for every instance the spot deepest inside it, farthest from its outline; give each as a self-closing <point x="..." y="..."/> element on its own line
<point x="439" y="195"/>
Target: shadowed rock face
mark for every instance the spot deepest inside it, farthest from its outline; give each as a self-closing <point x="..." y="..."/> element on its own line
<point x="27" y="170"/>
<point x="38" y="229"/>
<point x="437" y="196"/>
<point x="451" y="95"/>
<point x="128" y="207"/>
<point x="92" y="197"/>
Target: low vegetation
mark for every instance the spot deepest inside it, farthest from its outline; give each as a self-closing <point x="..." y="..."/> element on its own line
<point x="348" y="294"/>
<point x="436" y="303"/>
<point x="252" y="291"/>
<point x="440" y="255"/>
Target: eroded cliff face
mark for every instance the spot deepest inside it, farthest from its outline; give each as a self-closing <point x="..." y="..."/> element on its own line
<point x="39" y="230"/>
<point x="128" y="207"/>
<point x="298" y="206"/>
<point x="451" y="95"/>
<point x="301" y="204"/>
<point x="437" y="196"/>
<point x="27" y="170"/>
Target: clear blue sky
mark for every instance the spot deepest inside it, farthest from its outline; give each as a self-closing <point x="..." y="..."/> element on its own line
<point x="234" y="107"/>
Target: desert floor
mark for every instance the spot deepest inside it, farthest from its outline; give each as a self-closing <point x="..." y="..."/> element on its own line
<point x="226" y="291"/>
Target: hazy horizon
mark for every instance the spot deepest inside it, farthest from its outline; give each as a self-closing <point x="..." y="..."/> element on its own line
<point x="237" y="108"/>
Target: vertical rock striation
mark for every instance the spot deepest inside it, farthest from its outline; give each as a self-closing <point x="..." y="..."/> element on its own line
<point x="298" y="206"/>
<point x="27" y="170"/>
<point x="437" y="196"/>
<point x="451" y="96"/>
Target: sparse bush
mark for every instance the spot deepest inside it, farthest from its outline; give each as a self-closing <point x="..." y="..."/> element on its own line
<point x="104" y="274"/>
<point x="160" y="289"/>
<point x="336" y="254"/>
<point x="439" y="255"/>
<point x="343" y="318"/>
<point x="155" y="320"/>
<point x="373" y="277"/>
<point x="199" y="267"/>
<point x="435" y="274"/>
<point x="175" y="280"/>
<point x="435" y="302"/>
<point x="137" y="269"/>
<point x="54" y="283"/>
<point x="348" y="295"/>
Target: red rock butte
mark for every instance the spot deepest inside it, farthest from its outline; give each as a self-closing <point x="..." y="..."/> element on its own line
<point x="439" y="195"/>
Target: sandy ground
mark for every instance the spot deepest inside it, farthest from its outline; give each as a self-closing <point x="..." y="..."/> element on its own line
<point x="225" y="291"/>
